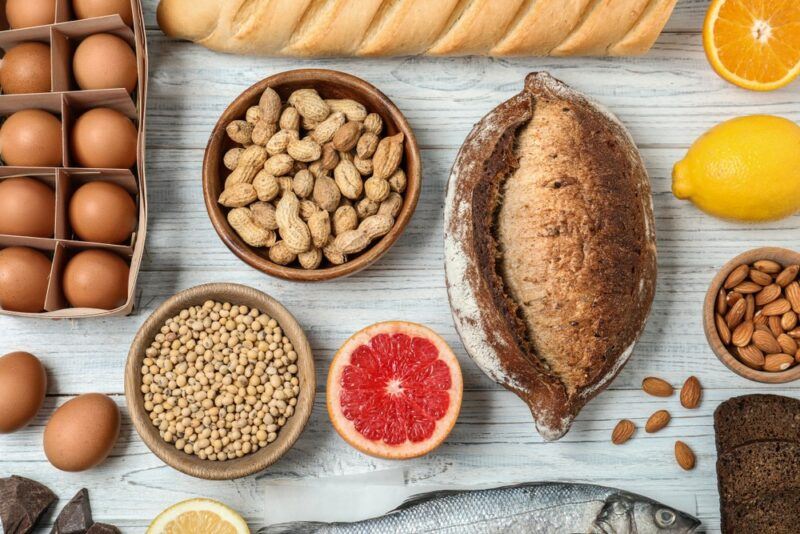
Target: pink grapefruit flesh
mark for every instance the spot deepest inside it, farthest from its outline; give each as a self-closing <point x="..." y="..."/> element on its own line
<point x="394" y="390"/>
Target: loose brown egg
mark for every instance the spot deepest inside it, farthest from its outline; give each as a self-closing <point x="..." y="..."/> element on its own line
<point x="24" y="274"/>
<point x="96" y="279"/>
<point x="23" y="385"/>
<point x="27" y="13"/>
<point x="26" y="69"/>
<point x="27" y="207"/>
<point x="102" y="212"/>
<point x="85" y="9"/>
<point x="31" y="138"/>
<point x="104" y="61"/>
<point x="82" y="432"/>
<point x="105" y="138"/>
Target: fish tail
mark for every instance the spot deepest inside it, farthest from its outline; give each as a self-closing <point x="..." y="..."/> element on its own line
<point x="307" y="527"/>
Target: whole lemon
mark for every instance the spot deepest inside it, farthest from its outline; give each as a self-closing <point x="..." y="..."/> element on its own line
<point x="747" y="168"/>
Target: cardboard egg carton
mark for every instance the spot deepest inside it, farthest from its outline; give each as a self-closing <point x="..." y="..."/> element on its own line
<point x="67" y="102"/>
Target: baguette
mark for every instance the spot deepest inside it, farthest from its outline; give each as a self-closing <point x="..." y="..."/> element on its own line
<point x="309" y="28"/>
<point x="550" y="249"/>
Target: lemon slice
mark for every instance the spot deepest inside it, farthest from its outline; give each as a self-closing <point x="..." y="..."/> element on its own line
<point x="198" y="516"/>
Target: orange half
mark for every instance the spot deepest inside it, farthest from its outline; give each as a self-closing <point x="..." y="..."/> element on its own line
<point x="754" y="44"/>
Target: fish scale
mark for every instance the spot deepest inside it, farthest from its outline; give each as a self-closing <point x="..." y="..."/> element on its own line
<point x="535" y="508"/>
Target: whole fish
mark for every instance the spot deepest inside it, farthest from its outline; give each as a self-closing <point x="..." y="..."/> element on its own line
<point x="533" y="508"/>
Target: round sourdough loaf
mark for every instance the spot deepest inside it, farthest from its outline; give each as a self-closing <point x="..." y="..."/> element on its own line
<point x="550" y="248"/>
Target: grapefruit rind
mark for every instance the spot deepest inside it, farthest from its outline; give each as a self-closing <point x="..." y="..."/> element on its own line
<point x="712" y="53"/>
<point x="409" y="449"/>
<point x="161" y="523"/>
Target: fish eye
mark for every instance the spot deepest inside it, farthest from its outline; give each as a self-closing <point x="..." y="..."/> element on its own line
<point x="665" y="518"/>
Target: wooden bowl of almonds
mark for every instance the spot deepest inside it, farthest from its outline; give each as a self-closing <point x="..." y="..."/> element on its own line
<point x="220" y="381"/>
<point x="750" y="315"/>
<point x="311" y="175"/>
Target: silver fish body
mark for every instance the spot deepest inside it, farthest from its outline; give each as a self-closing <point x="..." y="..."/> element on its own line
<point x="534" y="508"/>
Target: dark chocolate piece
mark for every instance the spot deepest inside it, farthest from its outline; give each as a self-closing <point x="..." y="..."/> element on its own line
<point x="102" y="528"/>
<point x="22" y="503"/>
<point x="76" y="517"/>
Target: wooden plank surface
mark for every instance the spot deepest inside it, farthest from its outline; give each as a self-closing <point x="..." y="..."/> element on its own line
<point x="667" y="99"/>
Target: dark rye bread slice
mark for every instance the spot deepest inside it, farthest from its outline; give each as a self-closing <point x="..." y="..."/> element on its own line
<point x="750" y="418"/>
<point x="773" y="513"/>
<point x="756" y="469"/>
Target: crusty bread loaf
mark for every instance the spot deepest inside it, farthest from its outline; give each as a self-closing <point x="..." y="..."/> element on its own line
<point x="406" y="27"/>
<point x="550" y="248"/>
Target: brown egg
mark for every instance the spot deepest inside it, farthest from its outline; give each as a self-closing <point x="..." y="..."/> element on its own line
<point x="82" y="432"/>
<point x="85" y="9"/>
<point x="27" y="207"/>
<point x="26" y="69"/>
<point x="96" y="279"/>
<point x="102" y="212"/>
<point x="23" y="385"/>
<point x="24" y="274"/>
<point x="27" y="13"/>
<point x="31" y="138"/>
<point x="104" y="138"/>
<point x="104" y="61"/>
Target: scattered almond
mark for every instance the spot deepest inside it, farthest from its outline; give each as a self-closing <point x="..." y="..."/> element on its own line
<point x="657" y="387"/>
<point x="657" y="421"/>
<point x="684" y="456"/>
<point x="691" y="392"/>
<point x="622" y="432"/>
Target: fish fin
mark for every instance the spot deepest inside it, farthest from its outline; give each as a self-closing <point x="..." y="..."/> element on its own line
<point x="307" y="527"/>
<point x="420" y="498"/>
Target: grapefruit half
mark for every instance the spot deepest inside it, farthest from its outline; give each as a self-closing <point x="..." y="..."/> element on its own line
<point x="394" y="390"/>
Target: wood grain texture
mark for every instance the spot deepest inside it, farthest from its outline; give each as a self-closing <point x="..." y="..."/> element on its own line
<point x="666" y="98"/>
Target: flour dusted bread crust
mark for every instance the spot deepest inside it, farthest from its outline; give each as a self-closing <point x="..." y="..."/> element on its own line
<point x="550" y="248"/>
<point x="405" y="27"/>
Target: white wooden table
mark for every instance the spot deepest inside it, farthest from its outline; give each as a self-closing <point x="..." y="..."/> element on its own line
<point x="667" y="99"/>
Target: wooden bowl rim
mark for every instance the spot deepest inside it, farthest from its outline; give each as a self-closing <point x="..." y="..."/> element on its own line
<point x="784" y="257"/>
<point x="250" y="463"/>
<point x="412" y="166"/>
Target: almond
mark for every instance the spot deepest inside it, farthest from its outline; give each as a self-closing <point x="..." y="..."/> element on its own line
<point x="759" y="319"/>
<point x="775" y="327"/>
<point x="691" y="392"/>
<point x="622" y="432"/>
<point x="788" y="321"/>
<point x="768" y="294"/>
<point x="750" y="309"/>
<point x="736" y="313"/>
<point x="768" y="266"/>
<point x="742" y="334"/>
<point x="787" y="343"/>
<point x="787" y="275"/>
<point x="722" y="302"/>
<point x="797" y="356"/>
<point x="657" y="421"/>
<point x="765" y="341"/>
<point x="751" y="356"/>
<point x="793" y="296"/>
<point x="736" y="277"/>
<point x="776" y="307"/>
<point x="747" y="287"/>
<point x="723" y="330"/>
<point x="733" y="297"/>
<point x="684" y="456"/>
<point x="657" y="387"/>
<point x="794" y="332"/>
<point x="760" y="277"/>
<point x="775" y="363"/>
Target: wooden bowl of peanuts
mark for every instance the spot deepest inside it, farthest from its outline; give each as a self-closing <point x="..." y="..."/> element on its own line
<point x="750" y="315"/>
<point x="220" y="381"/>
<point x="311" y="174"/>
